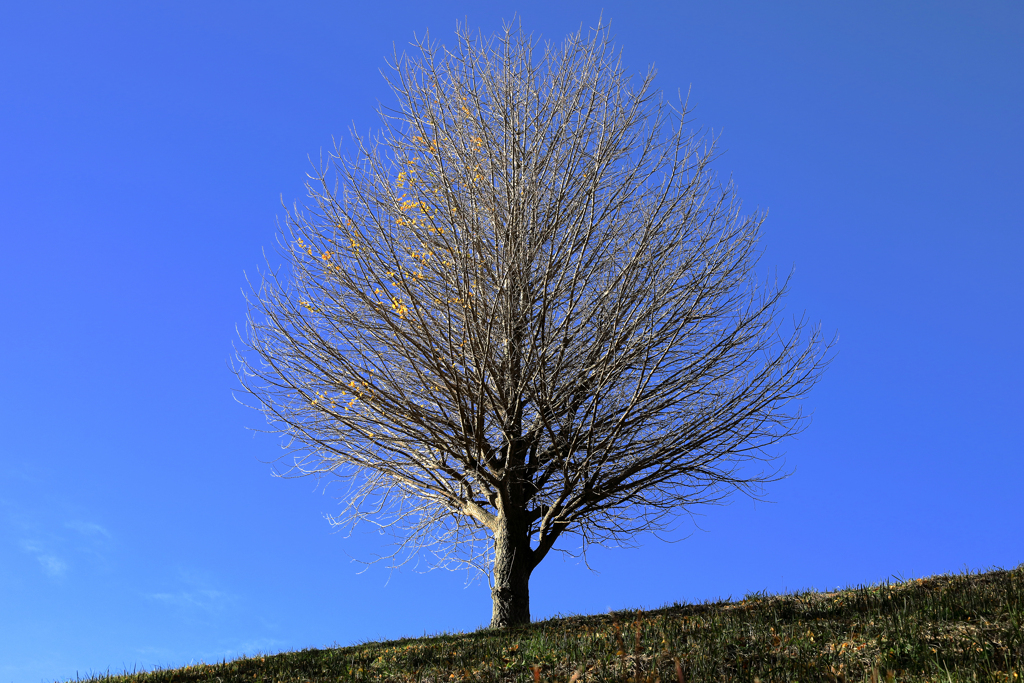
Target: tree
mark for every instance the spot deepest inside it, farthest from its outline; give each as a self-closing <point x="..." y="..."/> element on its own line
<point x="529" y="312"/>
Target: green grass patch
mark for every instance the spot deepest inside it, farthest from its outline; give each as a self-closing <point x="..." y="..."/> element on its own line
<point x="966" y="627"/>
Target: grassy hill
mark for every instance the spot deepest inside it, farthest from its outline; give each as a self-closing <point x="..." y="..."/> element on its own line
<point x="967" y="627"/>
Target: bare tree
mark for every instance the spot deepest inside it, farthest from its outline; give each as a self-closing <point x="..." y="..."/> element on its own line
<point x="530" y="311"/>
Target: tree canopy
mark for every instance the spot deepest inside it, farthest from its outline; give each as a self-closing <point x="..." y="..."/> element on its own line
<point x="526" y="310"/>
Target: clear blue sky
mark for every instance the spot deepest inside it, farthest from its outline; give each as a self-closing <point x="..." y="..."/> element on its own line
<point x="144" y="149"/>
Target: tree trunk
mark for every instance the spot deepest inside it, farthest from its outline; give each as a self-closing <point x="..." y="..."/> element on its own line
<point x="513" y="564"/>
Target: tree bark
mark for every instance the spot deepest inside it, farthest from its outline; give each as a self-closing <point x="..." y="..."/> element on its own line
<point x="513" y="564"/>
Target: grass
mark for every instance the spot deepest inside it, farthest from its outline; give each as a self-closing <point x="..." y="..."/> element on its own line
<point x="967" y="627"/>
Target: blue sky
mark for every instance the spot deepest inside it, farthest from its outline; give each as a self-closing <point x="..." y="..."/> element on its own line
<point x="144" y="152"/>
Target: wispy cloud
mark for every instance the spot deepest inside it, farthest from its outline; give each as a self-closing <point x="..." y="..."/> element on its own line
<point x="205" y="599"/>
<point x="88" y="528"/>
<point x="51" y="546"/>
<point x="195" y="590"/>
<point x="52" y="565"/>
